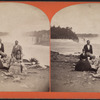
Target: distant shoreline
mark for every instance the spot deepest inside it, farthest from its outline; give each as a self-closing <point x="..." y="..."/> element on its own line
<point x="43" y="44"/>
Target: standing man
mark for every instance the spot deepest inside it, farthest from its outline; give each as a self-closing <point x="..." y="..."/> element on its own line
<point x="16" y="48"/>
<point x="88" y="49"/>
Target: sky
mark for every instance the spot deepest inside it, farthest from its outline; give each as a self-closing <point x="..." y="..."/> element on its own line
<point x="83" y="18"/>
<point x="18" y="18"/>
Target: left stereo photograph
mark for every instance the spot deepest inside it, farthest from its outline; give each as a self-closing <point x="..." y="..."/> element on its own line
<point x="24" y="48"/>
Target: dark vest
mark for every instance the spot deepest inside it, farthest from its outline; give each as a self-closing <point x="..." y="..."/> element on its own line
<point x="88" y="50"/>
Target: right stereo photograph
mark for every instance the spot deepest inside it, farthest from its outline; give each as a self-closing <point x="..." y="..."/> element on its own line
<point x="75" y="49"/>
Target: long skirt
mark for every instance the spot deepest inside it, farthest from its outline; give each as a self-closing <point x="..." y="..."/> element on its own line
<point x="83" y="66"/>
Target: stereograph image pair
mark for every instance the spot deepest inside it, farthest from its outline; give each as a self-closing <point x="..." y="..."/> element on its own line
<point x="36" y="54"/>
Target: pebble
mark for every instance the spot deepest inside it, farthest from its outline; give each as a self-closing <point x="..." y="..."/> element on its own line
<point x="5" y="77"/>
<point x="93" y="79"/>
<point x="85" y="78"/>
<point x="84" y="73"/>
<point x="65" y="60"/>
<point x="33" y="63"/>
<point x="17" y="79"/>
<point x="68" y="75"/>
<point x="24" y="85"/>
<point x="90" y="76"/>
<point x="2" y="74"/>
<point x="1" y="81"/>
<point x="78" y="75"/>
<point x="73" y="66"/>
<point x="89" y="83"/>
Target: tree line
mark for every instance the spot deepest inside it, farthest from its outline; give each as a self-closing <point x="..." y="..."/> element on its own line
<point x="63" y="33"/>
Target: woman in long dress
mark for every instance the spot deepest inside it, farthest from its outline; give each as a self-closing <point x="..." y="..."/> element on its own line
<point x="16" y="67"/>
<point x="83" y="64"/>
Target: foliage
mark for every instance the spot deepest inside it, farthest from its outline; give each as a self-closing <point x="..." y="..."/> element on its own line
<point x="63" y="33"/>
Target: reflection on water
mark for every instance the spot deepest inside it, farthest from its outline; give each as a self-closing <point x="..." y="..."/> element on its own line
<point x="65" y="46"/>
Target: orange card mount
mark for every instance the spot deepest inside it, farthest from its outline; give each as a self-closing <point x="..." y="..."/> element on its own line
<point x="50" y="8"/>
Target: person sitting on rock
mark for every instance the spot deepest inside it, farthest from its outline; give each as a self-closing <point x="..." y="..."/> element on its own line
<point x="18" y="55"/>
<point x="2" y="54"/>
<point x="96" y="65"/>
<point x="15" y="67"/>
<point x="5" y="63"/>
<point x="83" y="55"/>
<point x="84" y="65"/>
<point x="94" y="62"/>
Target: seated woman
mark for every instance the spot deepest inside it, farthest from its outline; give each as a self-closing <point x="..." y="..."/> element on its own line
<point x="83" y="55"/>
<point x="15" y="64"/>
<point x="18" y="55"/>
<point x="95" y="63"/>
<point x="17" y="67"/>
<point x="5" y="63"/>
<point x="83" y="64"/>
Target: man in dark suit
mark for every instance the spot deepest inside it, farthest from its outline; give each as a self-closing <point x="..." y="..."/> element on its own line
<point x="88" y="49"/>
<point x="2" y="54"/>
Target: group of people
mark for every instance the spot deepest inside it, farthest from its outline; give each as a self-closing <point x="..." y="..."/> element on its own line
<point x="9" y="63"/>
<point x="16" y="51"/>
<point x="88" y="62"/>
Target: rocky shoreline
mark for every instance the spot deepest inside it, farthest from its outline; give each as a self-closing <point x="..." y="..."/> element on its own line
<point x="56" y="56"/>
<point x="64" y="78"/>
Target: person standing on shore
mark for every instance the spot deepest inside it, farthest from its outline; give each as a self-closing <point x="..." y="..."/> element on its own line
<point x="88" y="49"/>
<point x="16" y="48"/>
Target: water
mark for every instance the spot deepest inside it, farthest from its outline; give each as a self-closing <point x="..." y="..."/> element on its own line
<point x="65" y="46"/>
<point x="41" y="53"/>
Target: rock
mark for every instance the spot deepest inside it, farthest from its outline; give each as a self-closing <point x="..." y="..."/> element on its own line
<point x="1" y="82"/>
<point x="33" y="63"/>
<point x="43" y="66"/>
<point x="24" y="85"/>
<point x="67" y="82"/>
<point x="71" y="82"/>
<point x="24" y="70"/>
<point x="68" y="75"/>
<point x="90" y="76"/>
<point x="26" y="60"/>
<point x="5" y="77"/>
<point x="65" y="60"/>
<point x="93" y="79"/>
<point x="18" y="79"/>
<point x="78" y="75"/>
<point x="89" y="83"/>
<point x="84" y="73"/>
<point x="54" y="55"/>
<point x="8" y="74"/>
<point x="73" y="66"/>
<point x="85" y="78"/>
<point x="2" y="74"/>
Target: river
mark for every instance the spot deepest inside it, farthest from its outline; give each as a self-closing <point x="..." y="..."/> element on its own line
<point x="66" y="46"/>
<point x="30" y="50"/>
